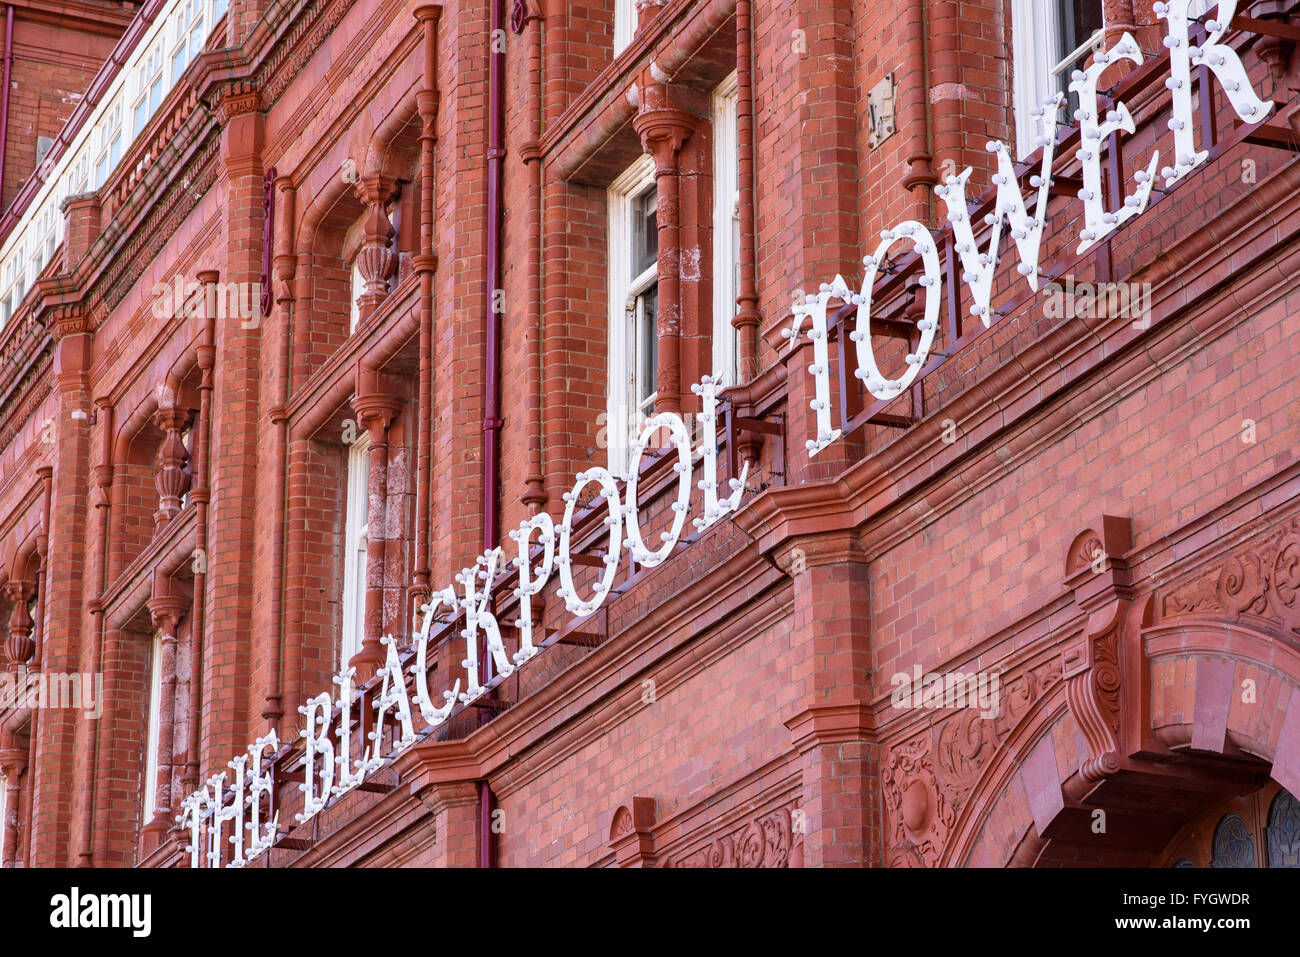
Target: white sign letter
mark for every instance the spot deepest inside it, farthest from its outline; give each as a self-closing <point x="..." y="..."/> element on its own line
<point x="1009" y="206"/>
<point x="1098" y="222"/>
<point x="1222" y="61"/>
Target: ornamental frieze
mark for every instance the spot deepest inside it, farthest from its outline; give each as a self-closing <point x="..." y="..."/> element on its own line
<point x="1261" y="581"/>
<point x="928" y="779"/>
<point x="766" y="841"/>
<point x="919" y="814"/>
<point x="164" y="222"/>
<point x="274" y="78"/>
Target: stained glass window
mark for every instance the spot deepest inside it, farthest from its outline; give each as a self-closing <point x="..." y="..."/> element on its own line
<point x="1233" y="846"/>
<point x="1283" y="833"/>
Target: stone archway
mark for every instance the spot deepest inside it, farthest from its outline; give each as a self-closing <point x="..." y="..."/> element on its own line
<point x="1220" y="721"/>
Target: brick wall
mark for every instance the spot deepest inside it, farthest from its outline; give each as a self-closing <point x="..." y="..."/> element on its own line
<point x="744" y="687"/>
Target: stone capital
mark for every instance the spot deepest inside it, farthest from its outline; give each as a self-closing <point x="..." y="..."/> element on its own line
<point x="664" y="130"/>
<point x="166" y="612"/>
<point x="376" y="411"/>
<point x="13" y="762"/>
<point x="377" y="189"/>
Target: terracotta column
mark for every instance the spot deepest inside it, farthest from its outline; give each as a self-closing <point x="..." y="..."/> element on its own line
<point x="445" y="776"/>
<point x="54" y="778"/>
<point x="833" y="732"/>
<point x="235" y="666"/>
<point x="165" y="611"/>
<point x="13" y="762"/>
<point x="375" y="411"/>
<point x="663" y="131"/>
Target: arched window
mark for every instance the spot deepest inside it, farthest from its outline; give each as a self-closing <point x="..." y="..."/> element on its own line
<point x="1283" y="833"/>
<point x="1260" y="829"/>
<point x="1233" y="845"/>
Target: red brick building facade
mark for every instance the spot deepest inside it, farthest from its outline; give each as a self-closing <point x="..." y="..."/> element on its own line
<point x="371" y="282"/>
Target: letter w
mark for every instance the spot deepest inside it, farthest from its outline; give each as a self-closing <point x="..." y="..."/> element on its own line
<point x="1027" y="231"/>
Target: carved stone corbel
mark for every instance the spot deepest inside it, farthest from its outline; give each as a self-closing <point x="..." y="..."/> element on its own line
<point x="1098" y="574"/>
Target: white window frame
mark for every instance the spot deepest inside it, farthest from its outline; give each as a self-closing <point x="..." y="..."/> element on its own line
<point x="13" y="279"/>
<point x="1038" y="71"/>
<point x="151" y="742"/>
<point x="108" y="149"/>
<point x="622" y="402"/>
<point x="124" y="109"/>
<point x="188" y="37"/>
<point x="149" y="90"/>
<point x="625" y="21"/>
<point x="356" y="285"/>
<point x="355" y="543"/>
<point x="726" y="227"/>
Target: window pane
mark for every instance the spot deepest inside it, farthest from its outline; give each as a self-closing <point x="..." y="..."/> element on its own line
<point x="141" y="115"/>
<point x="647" y="344"/>
<point x="178" y="63"/>
<point x="155" y="94"/>
<point x="150" y="782"/>
<point x="645" y="228"/>
<point x="1078" y="20"/>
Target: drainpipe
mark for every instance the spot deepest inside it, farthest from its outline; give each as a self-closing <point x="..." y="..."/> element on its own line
<point x="280" y="249"/>
<point x="207" y="356"/>
<point x="425" y="264"/>
<point x="491" y="316"/>
<point x="103" y="504"/>
<point x="492" y="326"/>
<point x="46" y="474"/>
<point x="4" y="97"/>
<point x="914" y="116"/>
<point x="534" y="497"/>
<point x="747" y="319"/>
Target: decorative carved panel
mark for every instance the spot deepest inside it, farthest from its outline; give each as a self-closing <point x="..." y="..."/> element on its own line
<point x="767" y="841"/>
<point x="920" y="814"/>
<point x="1262" y="582"/>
